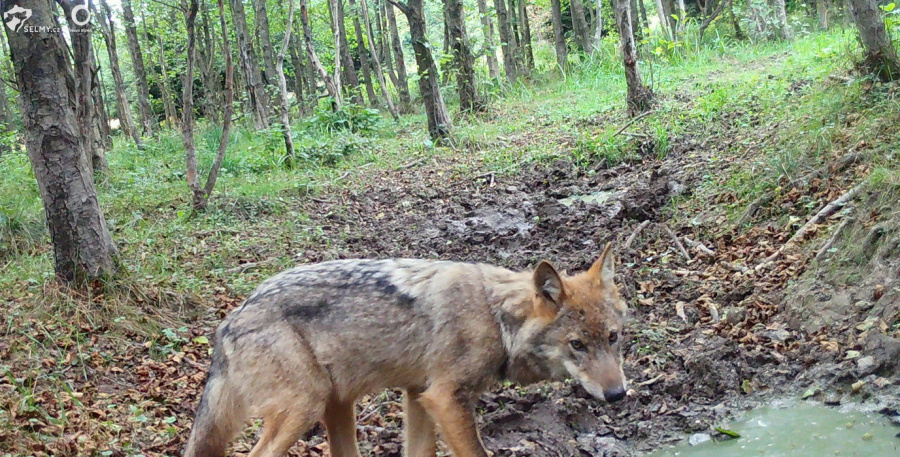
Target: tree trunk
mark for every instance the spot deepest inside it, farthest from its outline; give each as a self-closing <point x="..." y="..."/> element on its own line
<point x="289" y="153"/>
<point x="399" y="60"/>
<point x="256" y="91"/>
<point x="507" y="42"/>
<point x="332" y="88"/>
<point x="514" y="29"/>
<point x="187" y="105"/>
<point x="363" y="52"/>
<point x="82" y="246"/>
<point x="782" y="28"/>
<point x="682" y="16"/>
<point x="469" y="101"/>
<point x="490" y="47"/>
<point x="598" y="26"/>
<point x="122" y="106"/>
<point x="579" y="24"/>
<point x="101" y="116"/>
<point x="265" y="41"/>
<point x="822" y="10"/>
<point x="206" y="53"/>
<point x="663" y="12"/>
<point x="378" y="71"/>
<point x="879" y="53"/>
<point x="348" y="68"/>
<point x="645" y="23"/>
<point x="439" y="123"/>
<point x="140" y="74"/>
<point x="165" y="87"/>
<point x="639" y="97"/>
<point x="85" y="82"/>
<point x="559" y="34"/>
<point x="525" y="42"/>
<point x="299" y="72"/>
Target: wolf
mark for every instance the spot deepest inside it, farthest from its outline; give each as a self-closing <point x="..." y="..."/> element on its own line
<point x="311" y="340"/>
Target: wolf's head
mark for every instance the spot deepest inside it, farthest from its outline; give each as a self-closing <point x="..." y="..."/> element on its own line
<point x="576" y="327"/>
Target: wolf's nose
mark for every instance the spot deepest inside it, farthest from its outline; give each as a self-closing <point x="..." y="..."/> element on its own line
<point x="614" y="395"/>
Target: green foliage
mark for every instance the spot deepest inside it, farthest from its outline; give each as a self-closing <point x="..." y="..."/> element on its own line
<point x="351" y="117"/>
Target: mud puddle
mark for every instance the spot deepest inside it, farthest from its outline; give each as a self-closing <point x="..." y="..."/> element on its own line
<point x="792" y="428"/>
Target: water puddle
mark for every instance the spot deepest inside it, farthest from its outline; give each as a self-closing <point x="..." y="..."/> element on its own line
<point x="798" y="429"/>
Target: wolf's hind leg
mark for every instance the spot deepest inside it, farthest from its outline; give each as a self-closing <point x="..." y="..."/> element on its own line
<point x="418" y="428"/>
<point x="456" y="419"/>
<point x="281" y="430"/>
<point x="340" y="423"/>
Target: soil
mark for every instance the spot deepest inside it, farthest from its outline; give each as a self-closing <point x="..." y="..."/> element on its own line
<point x="709" y="335"/>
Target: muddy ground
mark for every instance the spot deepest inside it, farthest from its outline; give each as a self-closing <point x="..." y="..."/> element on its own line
<point x="709" y="336"/>
<point x="714" y="329"/>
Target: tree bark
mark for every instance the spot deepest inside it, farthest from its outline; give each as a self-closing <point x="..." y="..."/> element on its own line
<point x="822" y="11"/>
<point x="348" y="68"/>
<point x="299" y="78"/>
<point x="782" y="28"/>
<point x="559" y="37"/>
<point x="645" y="23"/>
<point x="399" y="59"/>
<point x="507" y="41"/>
<point x="363" y="52"/>
<point x="598" y="26"/>
<point x="85" y="83"/>
<point x="282" y="86"/>
<point x="332" y="88"/>
<point x="206" y="54"/>
<point x="490" y="47"/>
<point x="165" y="87"/>
<point x="126" y="122"/>
<point x="265" y="41"/>
<point x="187" y="105"/>
<point x="378" y="71"/>
<point x="82" y="246"/>
<point x="525" y="42"/>
<point x="879" y="53"/>
<point x="469" y="101"/>
<point x="439" y="123"/>
<point x="256" y="91"/>
<point x="639" y="97"/>
<point x="663" y="12"/>
<point x="140" y="73"/>
<point x="579" y="24"/>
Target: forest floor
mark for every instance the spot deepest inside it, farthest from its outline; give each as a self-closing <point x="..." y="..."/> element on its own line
<point x="730" y="164"/>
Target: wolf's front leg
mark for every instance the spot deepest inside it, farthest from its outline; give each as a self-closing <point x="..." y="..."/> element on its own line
<point x="451" y="409"/>
<point x="340" y="424"/>
<point x="418" y="427"/>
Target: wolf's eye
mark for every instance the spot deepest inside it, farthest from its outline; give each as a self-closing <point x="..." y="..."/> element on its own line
<point x="577" y="345"/>
<point x="613" y="337"/>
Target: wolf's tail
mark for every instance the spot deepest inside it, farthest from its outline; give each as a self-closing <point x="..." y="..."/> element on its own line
<point x="219" y="417"/>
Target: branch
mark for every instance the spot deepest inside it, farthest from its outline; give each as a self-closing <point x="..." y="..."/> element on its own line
<point x="403" y="7"/>
<point x="632" y="121"/>
<point x="175" y="7"/>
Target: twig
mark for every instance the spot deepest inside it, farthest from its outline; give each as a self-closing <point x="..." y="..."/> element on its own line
<point x="635" y="233"/>
<point x="828" y="210"/>
<point x="833" y="238"/>
<point x="412" y="164"/>
<point x="677" y="242"/>
<point x="632" y="121"/>
<point x="651" y="381"/>
<point x="699" y="246"/>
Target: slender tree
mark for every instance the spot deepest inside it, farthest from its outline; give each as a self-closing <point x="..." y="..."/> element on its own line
<point x="469" y="101"/>
<point x="439" y="123"/>
<point x="507" y="41"/>
<point x="363" y="52"/>
<point x="140" y="73"/>
<point x="559" y="36"/>
<point x="526" y="52"/>
<point x="639" y="97"/>
<point x="579" y="24"/>
<point x="782" y="28"/>
<point x="490" y="47"/>
<point x="108" y="29"/>
<point x="598" y="26"/>
<point x="330" y="85"/>
<point x="343" y="60"/>
<point x="165" y="86"/>
<point x="83" y="54"/>
<point x="282" y="87"/>
<point x="880" y="55"/>
<point x="378" y="70"/>
<point x="82" y="246"/>
<point x="402" y="82"/>
<point x="256" y="91"/>
<point x="822" y="12"/>
<point x="265" y="41"/>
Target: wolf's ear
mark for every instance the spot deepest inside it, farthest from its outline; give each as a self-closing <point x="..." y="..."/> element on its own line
<point x="604" y="268"/>
<point x="549" y="287"/>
